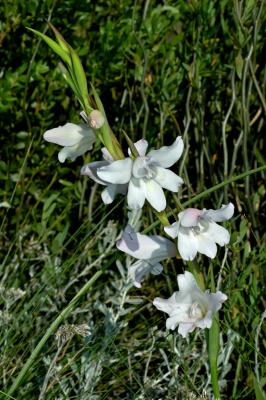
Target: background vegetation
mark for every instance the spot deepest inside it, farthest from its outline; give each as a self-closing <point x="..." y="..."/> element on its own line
<point x="162" y="68"/>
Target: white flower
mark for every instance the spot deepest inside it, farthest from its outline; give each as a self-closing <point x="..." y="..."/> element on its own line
<point x="197" y="231"/>
<point x="146" y="175"/>
<point x="76" y="139"/>
<point x="190" y="308"/>
<point x="149" y="250"/>
<point x="109" y="193"/>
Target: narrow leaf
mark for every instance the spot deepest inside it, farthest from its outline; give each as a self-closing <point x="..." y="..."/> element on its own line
<point x="61" y="41"/>
<point x="79" y="75"/>
<point x="53" y="45"/>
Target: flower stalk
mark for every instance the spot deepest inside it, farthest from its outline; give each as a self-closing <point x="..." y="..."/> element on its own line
<point x="213" y="341"/>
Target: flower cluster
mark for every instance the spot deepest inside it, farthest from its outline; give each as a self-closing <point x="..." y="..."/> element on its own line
<point x="143" y="176"/>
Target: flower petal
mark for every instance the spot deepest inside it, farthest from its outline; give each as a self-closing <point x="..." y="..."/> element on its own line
<point x="166" y="305"/>
<point x="185" y="328"/>
<point x="172" y="230"/>
<point x="136" y="194"/>
<point x="167" y="179"/>
<point x="206" y="245"/>
<point x="145" y="247"/>
<point x="106" y="155"/>
<point x="187" y="244"/>
<point x="187" y="282"/>
<point x="69" y="134"/>
<point x="189" y="217"/>
<point x="141" y="147"/>
<point x="117" y="172"/>
<point x="140" y="167"/>
<point x="217" y="234"/>
<point x="156" y="269"/>
<point x="108" y="194"/>
<point x="154" y="194"/>
<point x="91" y="170"/>
<point x="166" y="156"/>
<point x="223" y="214"/>
<point x="73" y="152"/>
<point x="138" y="271"/>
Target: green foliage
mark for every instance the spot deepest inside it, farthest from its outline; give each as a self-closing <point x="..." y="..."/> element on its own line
<point x="161" y="69"/>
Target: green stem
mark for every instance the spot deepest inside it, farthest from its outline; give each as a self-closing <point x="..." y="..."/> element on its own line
<point x="214" y="347"/>
<point x="198" y="275"/>
<point x="208" y="191"/>
<point x="51" y="330"/>
<point x="213" y="351"/>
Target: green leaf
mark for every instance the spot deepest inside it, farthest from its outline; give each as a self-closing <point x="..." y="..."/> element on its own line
<point x="61" y="41"/>
<point x="53" y="45"/>
<point x="67" y="76"/>
<point x="80" y="77"/>
<point x="258" y="390"/>
<point x="105" y="133"/>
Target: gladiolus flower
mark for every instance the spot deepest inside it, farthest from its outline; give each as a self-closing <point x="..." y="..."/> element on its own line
<point x="197" y="231"/>
<point x="190" y="307"/>
<point x="146" y="176"/>
<point x="76" y="139"/>
<point x="109" y="193"/>
<point x="149" y="250"/>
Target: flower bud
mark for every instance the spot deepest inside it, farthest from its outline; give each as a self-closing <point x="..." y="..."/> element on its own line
<point x="96" y="119"/>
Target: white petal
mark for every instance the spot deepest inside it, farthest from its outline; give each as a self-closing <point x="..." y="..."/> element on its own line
<point x="171" y="323"/>
<point x="187" y="282"/>
<point x="206" y="245"/>
<point x="91" y="170"/>
<point x="108" y="194"/>
<point x="116" y="172"/>
<point x="189" y="217"/>
<point x="167" y="179"/>
<point x="172" y="230"/>
<point x="156" y="269"/>
<point x="185" y="328"/>
<point x="187" y="244"/>
<point x="106" y="155"/>
<point x="136" y="194"/>
<point x="69" y="134"/>
<point x="140" y="167"/>
<point x="223" y="214"/>
<point x="145" y="247"/>
<point x="217" y="233"/>
<point x="168" y="155"/>
<point x="216" y="300"/>
<point x="166" y="305"/>
<point x="73" y="152"/>
<point x="154" y="194"/>
<point x="141" y="147"/>
<point x="138" y="271"/>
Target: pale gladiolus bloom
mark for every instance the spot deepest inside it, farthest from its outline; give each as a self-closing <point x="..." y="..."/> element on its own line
<point x="190" y="307"/>
<point x="109" y="193"/>
<point x="149" y="250"/>
<point x="197" y="231"/>
<point x="147" y="175"/>
<point x="75" y="139"/>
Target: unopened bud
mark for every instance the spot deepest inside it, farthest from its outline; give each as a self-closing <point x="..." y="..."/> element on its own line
<point x="96" y="119"/>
